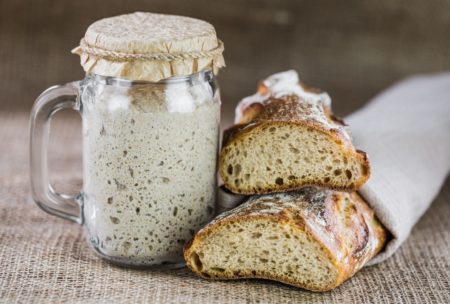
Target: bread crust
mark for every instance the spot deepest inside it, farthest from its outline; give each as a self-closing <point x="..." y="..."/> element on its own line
<point x="290" y="109"/>
<point x="342" y="224"/>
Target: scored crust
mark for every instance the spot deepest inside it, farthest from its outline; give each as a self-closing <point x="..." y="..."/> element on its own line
<point x="270" y="115"/>
<point x="332" y="235"/>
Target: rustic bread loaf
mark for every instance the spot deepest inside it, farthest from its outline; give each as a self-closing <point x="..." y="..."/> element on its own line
<point x="310" y="238"/>
<point x="285" y="137"/>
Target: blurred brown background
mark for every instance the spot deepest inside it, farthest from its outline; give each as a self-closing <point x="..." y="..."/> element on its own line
<point x="352" y="49"/>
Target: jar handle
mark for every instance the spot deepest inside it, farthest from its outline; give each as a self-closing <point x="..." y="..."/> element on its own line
<point x="46" y="105"/>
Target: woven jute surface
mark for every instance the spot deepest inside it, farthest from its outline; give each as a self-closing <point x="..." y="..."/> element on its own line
<point x="46" y="259"/>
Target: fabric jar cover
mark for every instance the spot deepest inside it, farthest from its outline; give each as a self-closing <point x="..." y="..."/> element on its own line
<point x="150" y="47"/>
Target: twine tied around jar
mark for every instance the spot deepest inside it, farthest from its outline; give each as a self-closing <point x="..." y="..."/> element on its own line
<point x="99" y="52"/>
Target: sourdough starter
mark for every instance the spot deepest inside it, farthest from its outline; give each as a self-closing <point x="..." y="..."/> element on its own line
<point x="149" y="168"/>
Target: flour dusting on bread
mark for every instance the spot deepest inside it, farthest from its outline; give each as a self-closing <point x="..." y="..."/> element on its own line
<point x="311" y="238"/>
<point x="286" y="138"/>
<point x="278" y="85"/>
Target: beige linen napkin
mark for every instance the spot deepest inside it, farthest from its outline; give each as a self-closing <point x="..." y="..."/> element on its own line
<point x="406" y="132"/>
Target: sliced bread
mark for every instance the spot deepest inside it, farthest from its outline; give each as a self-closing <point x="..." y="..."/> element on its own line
<point x="311" y="238"/>
<point x="286" y="137"/>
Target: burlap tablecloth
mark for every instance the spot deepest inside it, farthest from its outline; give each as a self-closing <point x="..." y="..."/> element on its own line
<point x="46" y="259"/>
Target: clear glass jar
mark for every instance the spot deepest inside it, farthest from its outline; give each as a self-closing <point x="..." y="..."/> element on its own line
<point x="149" y="163"/>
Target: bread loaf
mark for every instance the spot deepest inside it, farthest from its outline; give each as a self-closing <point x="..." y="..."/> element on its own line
<point x="310" y="238"/>
<point x="285" y="138"/>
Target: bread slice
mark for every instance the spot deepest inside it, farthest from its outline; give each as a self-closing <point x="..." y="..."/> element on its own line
<point x="311" y="238"/>
<point x="286" y="138"/>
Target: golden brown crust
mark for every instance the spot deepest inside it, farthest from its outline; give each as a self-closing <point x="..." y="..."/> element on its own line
<point x="342" y="224"/>
<point x="292" y="109"/>
<point x="283" y="100"/>
<point x="250" y="112"/>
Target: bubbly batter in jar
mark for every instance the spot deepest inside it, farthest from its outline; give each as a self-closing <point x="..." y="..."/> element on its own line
<point x="149" y="163"/>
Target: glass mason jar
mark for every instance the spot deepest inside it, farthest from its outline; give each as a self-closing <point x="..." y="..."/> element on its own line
<point x="149" y="163"/>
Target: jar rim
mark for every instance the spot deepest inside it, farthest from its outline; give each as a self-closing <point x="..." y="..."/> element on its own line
<point x="204" y="75"/>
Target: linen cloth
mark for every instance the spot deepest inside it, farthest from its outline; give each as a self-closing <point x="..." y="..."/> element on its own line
<point x="406" y="132"/>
